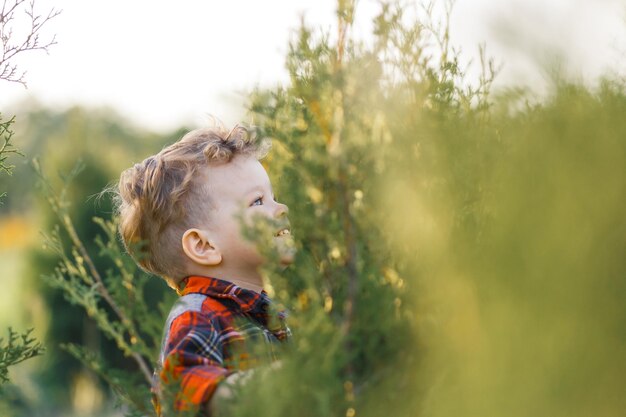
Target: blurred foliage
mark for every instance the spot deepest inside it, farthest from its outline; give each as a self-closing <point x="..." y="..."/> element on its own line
<point x="16" y="348"/>
<point x="461" y="252"/>
<point x="529" y="307"/>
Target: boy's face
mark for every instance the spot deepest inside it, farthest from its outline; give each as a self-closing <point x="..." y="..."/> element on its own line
<point x="240" y="190"/>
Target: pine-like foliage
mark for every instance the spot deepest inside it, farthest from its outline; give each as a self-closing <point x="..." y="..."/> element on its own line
<point x="348" y="117"/>
<point x="14" y="44"/>
<point x="6" y="149"/>
<point x="16" y="347"/>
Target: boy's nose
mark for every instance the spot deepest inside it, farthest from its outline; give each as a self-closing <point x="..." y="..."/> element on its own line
<point x="281" y="210"/>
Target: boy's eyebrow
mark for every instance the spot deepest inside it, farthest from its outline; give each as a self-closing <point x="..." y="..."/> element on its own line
<point x="259" y="188"/>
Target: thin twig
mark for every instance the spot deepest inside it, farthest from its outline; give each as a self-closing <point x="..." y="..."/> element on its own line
<point x="31" y="42"/>
<point x="99" y="282"/>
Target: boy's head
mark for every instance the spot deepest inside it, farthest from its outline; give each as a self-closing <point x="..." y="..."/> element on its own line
<point x="186" y="202"/>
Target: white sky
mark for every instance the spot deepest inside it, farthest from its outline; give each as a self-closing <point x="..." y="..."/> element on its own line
<point x="164" y="63"/>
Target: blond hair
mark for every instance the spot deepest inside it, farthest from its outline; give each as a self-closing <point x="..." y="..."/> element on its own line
<point x="161" y="197"/>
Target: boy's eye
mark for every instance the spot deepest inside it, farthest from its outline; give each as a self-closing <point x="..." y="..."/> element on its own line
<point x="257" y="202"/>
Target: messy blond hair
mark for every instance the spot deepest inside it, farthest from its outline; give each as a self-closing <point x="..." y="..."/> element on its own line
<point x="161" y="197"/>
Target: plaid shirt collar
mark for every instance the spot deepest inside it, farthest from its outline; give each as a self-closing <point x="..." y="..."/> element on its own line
<point x="254" y="304"/>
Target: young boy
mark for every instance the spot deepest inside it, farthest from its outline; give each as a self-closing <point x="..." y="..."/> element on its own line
<point x="186" y="205"/>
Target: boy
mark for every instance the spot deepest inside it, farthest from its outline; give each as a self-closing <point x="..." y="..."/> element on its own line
<point x="186" y="204"/>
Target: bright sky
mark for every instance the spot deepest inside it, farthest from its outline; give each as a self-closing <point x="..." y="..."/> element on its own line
<point x="162" y="63"/>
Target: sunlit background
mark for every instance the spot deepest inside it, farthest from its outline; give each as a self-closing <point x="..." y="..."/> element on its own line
<point x="161" y="64"/>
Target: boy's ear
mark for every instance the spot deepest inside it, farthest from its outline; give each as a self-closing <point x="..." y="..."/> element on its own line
<point x="199" y="248"/>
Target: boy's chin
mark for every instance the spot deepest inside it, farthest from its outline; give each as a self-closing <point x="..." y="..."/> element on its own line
<point x="287" y="259"/>
<point x="286" y="251"/>
<point x="281" y="262"/>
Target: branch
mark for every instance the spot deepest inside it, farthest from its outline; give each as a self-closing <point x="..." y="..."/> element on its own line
<point x="102" y="290"/>
<point x="31" y="41"/>
<point x="345" y="17"/>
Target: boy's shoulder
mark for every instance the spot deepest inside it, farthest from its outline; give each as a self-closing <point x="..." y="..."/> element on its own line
<point x="200" y="309"/>
<point x="197" y="316"/>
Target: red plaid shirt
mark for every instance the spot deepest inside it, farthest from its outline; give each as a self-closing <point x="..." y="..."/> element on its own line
<point x="209" y="335"/>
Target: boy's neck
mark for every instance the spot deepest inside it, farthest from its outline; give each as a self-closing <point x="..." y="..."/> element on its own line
<point x="243" y="283"/>
<point x="247" y="280"/>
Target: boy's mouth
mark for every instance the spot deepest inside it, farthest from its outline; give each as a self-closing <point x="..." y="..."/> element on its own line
<point x="283" y="232"/>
